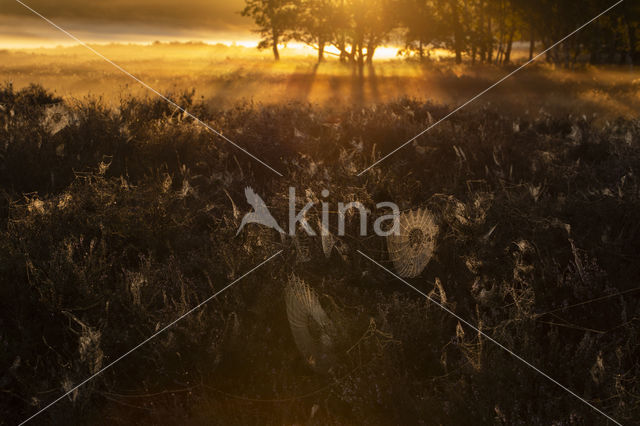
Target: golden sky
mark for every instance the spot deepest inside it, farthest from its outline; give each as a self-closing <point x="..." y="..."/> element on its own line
<point x="123" y="21"/>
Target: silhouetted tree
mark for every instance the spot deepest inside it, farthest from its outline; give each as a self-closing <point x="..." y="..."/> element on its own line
<point x="275" y="20"/>
<point x="479" y="29"/>
<point x="373" y="21"/>
<point x="457" y="30"/>
<point x="420" y="19"/>
<point x="316" y="23"/>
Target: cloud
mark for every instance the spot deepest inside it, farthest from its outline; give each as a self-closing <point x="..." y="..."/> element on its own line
<point x="122" y="21"/>
<point x="221" y="15"/>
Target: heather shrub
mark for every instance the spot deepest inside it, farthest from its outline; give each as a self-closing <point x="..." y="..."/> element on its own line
<point x="117" y="221"/>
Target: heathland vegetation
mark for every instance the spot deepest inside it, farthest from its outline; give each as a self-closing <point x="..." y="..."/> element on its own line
<point x="117" y="219"/>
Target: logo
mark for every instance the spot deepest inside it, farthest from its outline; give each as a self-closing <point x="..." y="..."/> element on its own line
<point x="262" y="216"/>
<point x="260" y="213"/>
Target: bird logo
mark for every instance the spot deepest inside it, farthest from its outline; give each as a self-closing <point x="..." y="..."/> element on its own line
<point x="260" y="213"/>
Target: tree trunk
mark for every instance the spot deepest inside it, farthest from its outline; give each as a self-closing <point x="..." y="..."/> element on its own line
<point x="501" y="38"/>
<point x="576" y="54"/>
<point x="342" y="47"/>
<point x="457" y="31"/>
<point x="321" y="44"/>
<point x="633" y="54"/>
<point x="344" y="56"/>
<point x="421" y="50"/>
<point x="500" y="53"/>
<point x="612" y="48"/>
<point x="352" y="54"/>
<point x="480" y="35"/>
<point x="532" y="41"/>
<point x="276" y="54"/>
<point x="371" y="50"/>
<point x="507" y="54"/>
<point x="489" y="41"/>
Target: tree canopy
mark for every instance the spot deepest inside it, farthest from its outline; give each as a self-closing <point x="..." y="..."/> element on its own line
<point x="473" y="30"/>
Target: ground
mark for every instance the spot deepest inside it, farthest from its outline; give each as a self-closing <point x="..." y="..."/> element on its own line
<point x="225" y="76"/>
<point x="118" y="215"/>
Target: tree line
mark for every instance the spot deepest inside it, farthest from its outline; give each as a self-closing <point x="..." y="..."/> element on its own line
<point x="473" y="30"/>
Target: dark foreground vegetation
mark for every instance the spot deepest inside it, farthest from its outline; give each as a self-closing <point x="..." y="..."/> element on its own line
<point x="115" y="222"/>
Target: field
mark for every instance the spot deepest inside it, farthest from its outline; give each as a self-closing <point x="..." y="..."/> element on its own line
<point x="225" y="76"/>
<point x="119" y="214"/>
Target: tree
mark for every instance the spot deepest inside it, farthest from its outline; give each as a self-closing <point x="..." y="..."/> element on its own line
<point x="458" y="41"/>
<point x="530" y="16"/>
<point x="420" y="19"/>
<point x="371" y="23"/>
<point x="275" y="19"/>
<point x="316" y="23"/>
<point x="632" y="26"/>
<point x="484" y="29"/>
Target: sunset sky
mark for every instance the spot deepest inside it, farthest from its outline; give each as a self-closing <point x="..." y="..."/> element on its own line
<point x="123" y="21"/>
